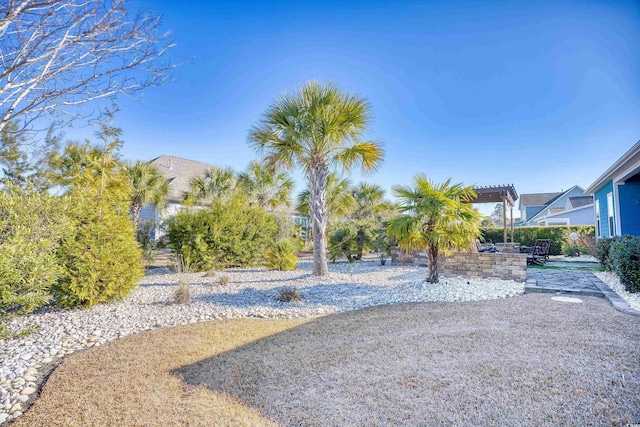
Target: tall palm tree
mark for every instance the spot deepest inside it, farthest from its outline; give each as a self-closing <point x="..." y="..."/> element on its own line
<point x="340" y="201"/>
<point x="267" y="186"/>
<point x="216" y="184"/>
<point x="437" y="217"/>
<point x="315" y="129"/>
<point x="148" y="186"/>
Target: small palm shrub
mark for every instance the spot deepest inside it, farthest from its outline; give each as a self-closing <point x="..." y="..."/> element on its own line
<point x="625" y="258"/>
<point x="282" y="256"/>
<point x="288" y="294"/>
<point x="223" y="280"/>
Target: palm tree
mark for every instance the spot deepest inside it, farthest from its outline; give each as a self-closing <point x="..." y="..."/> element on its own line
<point x="340" y="201"/>
<point x="148" y="186"/>
<point x="268" y="187"/>
<point x="316" y="129"/>
<point x="216" y="184"/>
<point x="437" y="217"/>
<point x="370" y="211"/>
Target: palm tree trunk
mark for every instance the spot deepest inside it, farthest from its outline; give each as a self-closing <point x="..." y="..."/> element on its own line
<point x="360" y="241"/>
<point x="317" y="176"/>
<point x="433" y="264"/>
<point x="134" y="211"/>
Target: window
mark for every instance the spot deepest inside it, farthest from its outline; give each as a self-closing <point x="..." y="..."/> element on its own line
<point x="612" y="227"/>
<point x="598" y="231"/>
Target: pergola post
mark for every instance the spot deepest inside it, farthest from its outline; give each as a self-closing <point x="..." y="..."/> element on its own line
<point x="496" y="194"/>
<point x="504" y="217"/>
<point x="511" y="223"/>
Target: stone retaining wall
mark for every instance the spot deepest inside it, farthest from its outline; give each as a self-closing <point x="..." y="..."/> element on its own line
<point x="470" y="264"/>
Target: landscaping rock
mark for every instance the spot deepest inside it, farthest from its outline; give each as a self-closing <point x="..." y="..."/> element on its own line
<point x="251" y="292"/>
<point x="27" y="391"/>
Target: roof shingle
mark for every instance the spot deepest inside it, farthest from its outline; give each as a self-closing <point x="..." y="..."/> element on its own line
<point x="179" y="172"/>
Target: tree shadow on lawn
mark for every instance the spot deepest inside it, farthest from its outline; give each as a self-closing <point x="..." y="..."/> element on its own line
<point x="520" y="361"/>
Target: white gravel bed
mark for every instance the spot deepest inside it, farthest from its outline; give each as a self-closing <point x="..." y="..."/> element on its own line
<point x="613" y="281"/>
<point x="579" y="258"/>
<point x="250" y="293"/>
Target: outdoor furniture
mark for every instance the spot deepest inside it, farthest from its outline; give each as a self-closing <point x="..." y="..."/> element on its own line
<point x="537" y="254"/>
<point x="486" y="247"/>
<point x="508" y="248"/>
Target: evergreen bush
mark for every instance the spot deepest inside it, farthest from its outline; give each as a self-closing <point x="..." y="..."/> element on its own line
<point x="282" y="256"/>
<point x="102" y="260"/>
<point x="31" y="227"/>
<point x="625" y="258"/>
<point x="229" y="234"/>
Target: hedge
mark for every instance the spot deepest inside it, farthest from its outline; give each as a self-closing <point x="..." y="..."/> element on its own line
<point x="558" y="235"/>
<point x="624" y="256"/>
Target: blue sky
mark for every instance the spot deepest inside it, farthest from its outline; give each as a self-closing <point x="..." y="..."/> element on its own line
<point x="543" y="95"/>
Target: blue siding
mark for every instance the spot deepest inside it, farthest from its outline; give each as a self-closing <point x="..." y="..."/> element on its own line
<point x="582" y="216"/>
<point x="601" y="195"/>
<point x="531" y="211"/>
<point x="629" y="195"/>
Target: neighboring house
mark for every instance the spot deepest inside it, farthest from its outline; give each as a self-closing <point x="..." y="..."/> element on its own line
<point x="571" y="207"/>
<point x="531" y="204"/>
<point x="179" y="172"/>
<point x="617" y="196"/>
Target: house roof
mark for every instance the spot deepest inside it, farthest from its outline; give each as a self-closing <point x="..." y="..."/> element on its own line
<point x="536" y="199"/>
<point x="579" y="201"/>
<point x="626" y="160"/>
<point x="553" y="200"/>
<point x="179" y="172"/>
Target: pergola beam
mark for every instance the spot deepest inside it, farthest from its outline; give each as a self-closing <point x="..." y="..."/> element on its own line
<point x="505" y="194"/>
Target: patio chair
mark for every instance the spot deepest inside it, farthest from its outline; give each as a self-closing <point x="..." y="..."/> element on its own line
<point x="537" y="254"/>
<point x="486" y="247"/>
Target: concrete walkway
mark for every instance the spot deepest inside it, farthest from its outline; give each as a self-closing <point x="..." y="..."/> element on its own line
<point x="570" y="281"/>
<point x="575" y="283"/>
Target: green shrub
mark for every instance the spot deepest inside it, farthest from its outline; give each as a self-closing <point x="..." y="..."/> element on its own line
<point x="231" y="234"/>
<point x="282" y="256"/>
<point x="625" y="258"/>
<point x="101" y="259"/>
<point x="571" y="250"/>
<point x="603" y="250"/>
<point x="31" y="227"/>
<point x="558" y="235"/>
<point x="342" y="243"/>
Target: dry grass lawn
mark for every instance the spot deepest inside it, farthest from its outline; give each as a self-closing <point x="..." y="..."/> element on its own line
<point x="522" y="361"/>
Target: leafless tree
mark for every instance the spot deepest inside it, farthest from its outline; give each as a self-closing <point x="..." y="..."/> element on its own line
<point x="56" y="55"/>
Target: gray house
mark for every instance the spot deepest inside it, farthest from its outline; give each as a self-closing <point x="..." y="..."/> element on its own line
<point x="179" y="172"/>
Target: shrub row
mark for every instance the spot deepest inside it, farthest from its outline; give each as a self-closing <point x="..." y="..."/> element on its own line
<point x="559" y="236"/>
<point x="621" y="255"/>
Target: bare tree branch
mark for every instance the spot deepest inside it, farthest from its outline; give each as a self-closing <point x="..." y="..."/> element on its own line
<point x="57" y="54"/>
